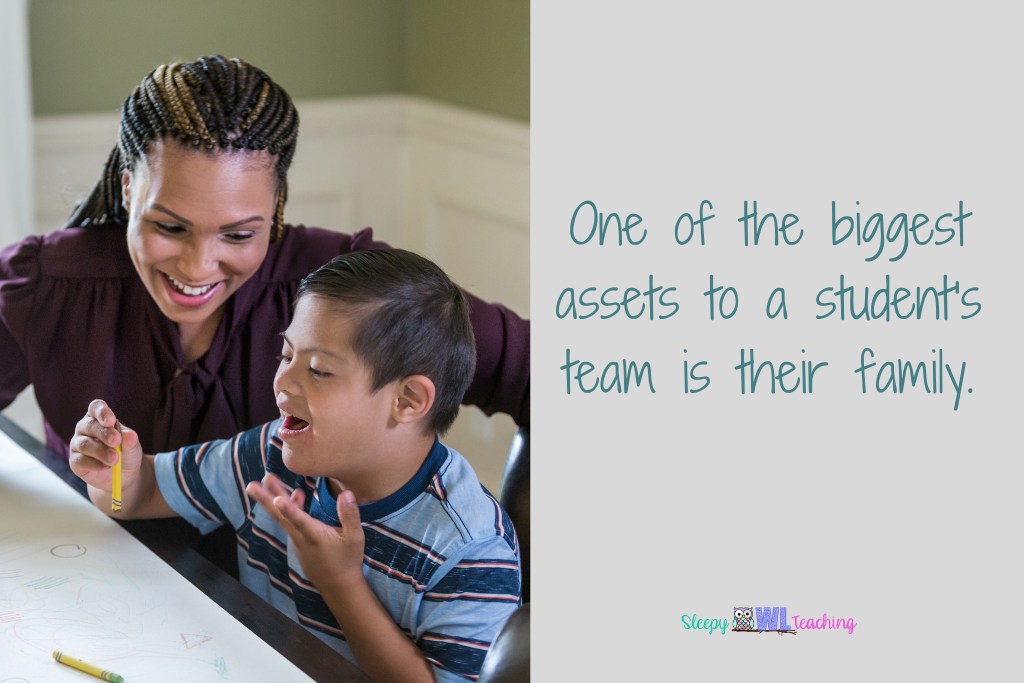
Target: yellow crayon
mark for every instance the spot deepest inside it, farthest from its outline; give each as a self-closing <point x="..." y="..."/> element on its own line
<point x="64" y="658"/>
<point x="115" y="495"/>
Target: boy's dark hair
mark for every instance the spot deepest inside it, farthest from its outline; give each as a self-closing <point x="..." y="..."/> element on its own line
<point x="410" y="319"/>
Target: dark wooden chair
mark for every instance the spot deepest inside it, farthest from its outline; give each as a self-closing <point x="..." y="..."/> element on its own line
<point x="508" y="660"/>
<point x="515" y="498"/>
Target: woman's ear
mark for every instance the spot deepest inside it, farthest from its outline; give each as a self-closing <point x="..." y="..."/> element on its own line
<point x="415" y="399"/>
<point x="126" y="191"/>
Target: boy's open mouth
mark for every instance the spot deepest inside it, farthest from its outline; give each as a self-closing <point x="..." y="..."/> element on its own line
<point x="292" y="427"/>
<point x="294" y="424"/>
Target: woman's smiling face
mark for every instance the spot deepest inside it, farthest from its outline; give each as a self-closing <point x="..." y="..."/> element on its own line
<point x="198" y="225"/>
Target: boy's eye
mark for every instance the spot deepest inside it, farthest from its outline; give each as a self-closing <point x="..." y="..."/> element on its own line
<point x="318" y="373"/>
<point x="284" y="358"/>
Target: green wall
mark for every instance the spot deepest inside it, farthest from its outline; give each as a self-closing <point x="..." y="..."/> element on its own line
<point x="472" y="52"/>
<point x="87" y="55"/>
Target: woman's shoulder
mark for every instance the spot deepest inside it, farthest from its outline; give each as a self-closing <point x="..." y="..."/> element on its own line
<point x="99" y="251"/>
<point x="304" y="249"/>
<point x="34" y="274"/>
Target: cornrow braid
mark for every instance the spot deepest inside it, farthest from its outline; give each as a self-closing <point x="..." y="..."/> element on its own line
<point x="213" y="103"/>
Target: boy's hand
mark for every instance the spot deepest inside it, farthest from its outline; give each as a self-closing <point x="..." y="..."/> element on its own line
<point x="92" y="449"/>
<point x="333" y="560"/>
<point x="330" y="557"/>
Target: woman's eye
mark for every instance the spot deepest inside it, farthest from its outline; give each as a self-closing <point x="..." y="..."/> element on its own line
<point x="239" y="236"/>
<point x="171" y="229"/>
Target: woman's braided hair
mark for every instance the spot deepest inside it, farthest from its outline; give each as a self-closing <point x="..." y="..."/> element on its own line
<point x="211" y="103"/>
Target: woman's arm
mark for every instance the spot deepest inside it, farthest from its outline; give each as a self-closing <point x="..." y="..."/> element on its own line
<point x="14" y="375"/>
<point x="502" y="379"/>
<point x="18" y="277"/>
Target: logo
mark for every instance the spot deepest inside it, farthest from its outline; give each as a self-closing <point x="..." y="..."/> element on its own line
<point x="744" y="619"/>
<point x="767" y="620"/>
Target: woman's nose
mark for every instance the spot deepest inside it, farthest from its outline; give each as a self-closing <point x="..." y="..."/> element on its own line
<point x="198" y="261"/>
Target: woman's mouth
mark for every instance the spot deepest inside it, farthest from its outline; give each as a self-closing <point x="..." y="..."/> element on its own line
<point x="185" y="295"/>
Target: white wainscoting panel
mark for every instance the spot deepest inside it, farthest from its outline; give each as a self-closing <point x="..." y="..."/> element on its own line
<point x="70" y="153"/>
<point x="447" y="182"/>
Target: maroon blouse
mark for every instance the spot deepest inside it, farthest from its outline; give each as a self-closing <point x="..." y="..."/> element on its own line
<point x="77" y="323"/>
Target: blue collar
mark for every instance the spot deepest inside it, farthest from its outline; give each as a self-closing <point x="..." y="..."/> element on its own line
<point x="385" y="506"/>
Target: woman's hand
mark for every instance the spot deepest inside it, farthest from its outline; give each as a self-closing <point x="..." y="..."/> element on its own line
<point x="92" y="449"/>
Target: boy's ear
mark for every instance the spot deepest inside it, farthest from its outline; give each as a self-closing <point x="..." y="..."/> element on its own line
<point x="415" y="399"/>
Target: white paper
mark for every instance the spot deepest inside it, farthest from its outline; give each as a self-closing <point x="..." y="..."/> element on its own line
<point x="71" y="579"/>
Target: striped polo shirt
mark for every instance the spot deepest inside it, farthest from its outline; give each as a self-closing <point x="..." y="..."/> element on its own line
<point x="441" y="554"/>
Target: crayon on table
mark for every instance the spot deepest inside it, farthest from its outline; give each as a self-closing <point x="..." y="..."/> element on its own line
<point x="115" y="494"/>
<point x="67" y="659"/>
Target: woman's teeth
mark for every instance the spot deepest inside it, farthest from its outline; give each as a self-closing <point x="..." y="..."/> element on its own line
<point x="189" y="291"/>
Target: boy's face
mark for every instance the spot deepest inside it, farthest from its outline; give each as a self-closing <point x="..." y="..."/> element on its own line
<point x="332" y="420"/>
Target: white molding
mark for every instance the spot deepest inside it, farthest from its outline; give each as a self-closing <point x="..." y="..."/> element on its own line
<point x="376" y="114"/>
<point x="473" y="130"/>
<point x="416" y="117"/>
<point x="76" y="132"/>
<point x="394" y="114"/>
<point x="392" y="134"/>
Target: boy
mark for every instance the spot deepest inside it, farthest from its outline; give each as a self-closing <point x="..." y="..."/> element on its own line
<point x="351" y="517"/>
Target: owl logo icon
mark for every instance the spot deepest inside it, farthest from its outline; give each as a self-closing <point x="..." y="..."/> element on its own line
<point x="744" y="619"/>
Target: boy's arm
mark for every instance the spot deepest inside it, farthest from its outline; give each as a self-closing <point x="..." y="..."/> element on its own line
<point x="332" y="558"/>
<point x="379" y="646"/>
<point x="93" y="457"/>
<point x="466" y="603"/>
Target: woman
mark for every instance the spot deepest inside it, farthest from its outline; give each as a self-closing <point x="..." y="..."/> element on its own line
<point x="167" y="290"/>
